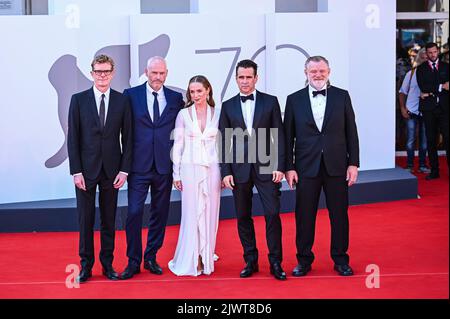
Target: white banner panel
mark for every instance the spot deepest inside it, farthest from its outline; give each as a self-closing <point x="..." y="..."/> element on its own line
<point x="371" y="31"/>
<point x="44" y="60"/>
<point x="242" y="37"/>
<point x="176" y="37"/>
<point x="30" y="124"/>
<point x="292" y="38"/>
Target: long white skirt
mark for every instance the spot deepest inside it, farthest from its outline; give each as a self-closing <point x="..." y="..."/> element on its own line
<point x="200" y="203"/>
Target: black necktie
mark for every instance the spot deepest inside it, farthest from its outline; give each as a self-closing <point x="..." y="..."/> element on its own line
<point x="101" y="112"/>
<point x="323" y="92"/>
<point x="155" y="107"/>
<point x="434" y="66"/>
<point x="248" y="97"/>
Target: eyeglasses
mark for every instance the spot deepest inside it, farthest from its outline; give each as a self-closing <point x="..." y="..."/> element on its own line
<point x="101" y="72"/>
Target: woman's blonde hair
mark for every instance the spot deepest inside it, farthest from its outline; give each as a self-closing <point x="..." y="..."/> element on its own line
<point x="419" y="60"/>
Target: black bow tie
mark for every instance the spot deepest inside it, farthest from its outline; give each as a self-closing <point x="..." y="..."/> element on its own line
<point x="323" y="92"/>
<point x="248" y="97"/>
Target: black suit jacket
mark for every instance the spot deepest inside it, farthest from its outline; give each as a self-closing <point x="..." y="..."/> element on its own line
<point x="338" y="139"/>
<point x="429" y="83"/>
<point x="267" y="115"/>
<point x="89" y="147"/>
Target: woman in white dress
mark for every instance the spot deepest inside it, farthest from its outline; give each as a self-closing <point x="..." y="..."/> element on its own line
<point x="196" y="174"/>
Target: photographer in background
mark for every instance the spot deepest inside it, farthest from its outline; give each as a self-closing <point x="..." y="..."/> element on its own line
<point x="409" y="96"/>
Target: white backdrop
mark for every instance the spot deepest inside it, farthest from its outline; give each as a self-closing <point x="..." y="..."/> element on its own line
<point x="34" y="47"/>
<point x="371" y="74"/>
<point x="289" y="33"/>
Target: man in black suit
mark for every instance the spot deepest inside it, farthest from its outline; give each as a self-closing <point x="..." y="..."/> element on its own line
<point x="100" y="148"/>
<point x="322" y="151"/>
<point x="251" y="127"/>
<point x="432" y="78"/>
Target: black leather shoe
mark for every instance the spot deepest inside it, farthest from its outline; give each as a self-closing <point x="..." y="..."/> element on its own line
<point x="301" y="270"/>
<point x="85" y="274"/>
<point x="432" y="175"/>
<point x="110" y="273"/>
<point x="344" y="270"/>
<point x="129" y="272"/>
<point x="277" y="271"/>
<point x="153" y="267"/>
<point x="249" y="269"/>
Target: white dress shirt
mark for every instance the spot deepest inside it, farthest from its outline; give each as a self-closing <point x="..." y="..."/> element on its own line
<point x="318" y="104"/>
<point x="151" y="98"/>
<point x="248" y="111"/>
<point x="98" y="99"/>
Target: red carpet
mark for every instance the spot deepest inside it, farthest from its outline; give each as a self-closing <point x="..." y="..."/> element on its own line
<point x="408" y="240"/>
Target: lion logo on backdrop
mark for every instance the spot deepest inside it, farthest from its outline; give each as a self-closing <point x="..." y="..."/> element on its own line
<point x="66" y="85"/>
